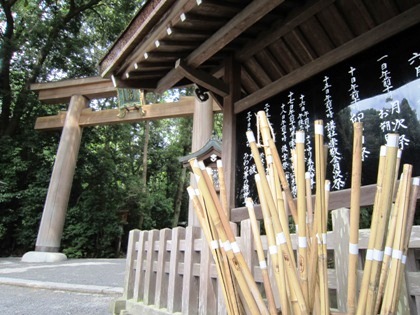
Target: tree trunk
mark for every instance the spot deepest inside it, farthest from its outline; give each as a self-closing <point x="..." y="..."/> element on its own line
<point x="178" y="199"/>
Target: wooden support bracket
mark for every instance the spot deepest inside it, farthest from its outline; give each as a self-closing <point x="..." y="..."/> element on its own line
<point x="202" y="78"/>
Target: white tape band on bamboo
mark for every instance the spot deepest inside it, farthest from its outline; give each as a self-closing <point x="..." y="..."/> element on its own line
<point x="392" y="140"/>
<point x="280" y="238"/>
<point x="319" y="129"/>
<point x="201" y="165"/>
<point x="307" y="175"/>
<point x="214" y="244"/>
<point x="226" y="246"/>
<point x="328" y="185"/>
<point x="404" y="259"/>
<point x="269" y="159"/>
<point x="263" y="264"/>
<point x="354" y="249"/>
<point x="416" y="181"/>
<point x="397" y="254"/>
<point x="197" y="178"/>
<point x="302" y="243"/>
<point x="399" y="153"/>
<point x="388" y="251"/>
<point x="250" y="136"/>
<point x="272" y="249"/>
<point x="382" y="151"/>
<point x="300" y="137"/>
<point x="197" y="192"/>
<point x="235" y="247"/>
<point x="219" y="164"/>
<point x="378" y="255"/>
<point x="249" y="203"/>
<point x="369" y="254"/>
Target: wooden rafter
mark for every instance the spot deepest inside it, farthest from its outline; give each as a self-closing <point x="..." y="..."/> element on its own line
<point x="282" y="27"/>
<point x="232" y="29"/>
<point x="172" y="18"/>
<point x="354" y="46"/>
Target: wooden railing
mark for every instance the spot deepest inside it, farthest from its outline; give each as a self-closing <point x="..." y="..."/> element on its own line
<point x="171" y="271"/>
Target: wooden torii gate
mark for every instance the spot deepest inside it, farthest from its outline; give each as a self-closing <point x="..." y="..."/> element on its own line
<point x="78" y="93"/>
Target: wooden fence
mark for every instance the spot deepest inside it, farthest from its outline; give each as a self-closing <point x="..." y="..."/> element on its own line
<point x="171" y="271"/>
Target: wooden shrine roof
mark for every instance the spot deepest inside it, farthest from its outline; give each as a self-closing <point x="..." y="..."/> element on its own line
<point x="278" y="43"/>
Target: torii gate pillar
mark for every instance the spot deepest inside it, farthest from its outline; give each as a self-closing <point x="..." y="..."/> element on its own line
<point x="202" y="132"/>
<point x="53" y="217"/>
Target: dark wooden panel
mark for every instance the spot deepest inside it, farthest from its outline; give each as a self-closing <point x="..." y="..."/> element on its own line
<point x="284" y="55"/>
<point x="335" y="25"/>
<point x="270" y="64"/>
<point x="356" y="15"/>
<point x="316" y="36"/>
<point x="381" y="10"/>
<point x="300" y="46"/>
<point x="257" y="72"/>
<point x="248" y="83"/>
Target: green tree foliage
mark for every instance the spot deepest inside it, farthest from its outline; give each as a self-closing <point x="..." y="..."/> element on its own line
<point x="49" y="40"/>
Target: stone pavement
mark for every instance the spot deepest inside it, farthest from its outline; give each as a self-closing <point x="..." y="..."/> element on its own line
<point x="88" y="279"/>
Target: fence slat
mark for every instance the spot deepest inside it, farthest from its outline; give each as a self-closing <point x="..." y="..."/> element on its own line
<point x="341" y="236"/>
<point x="175" y="279"/>
<point x="130" y="269"/>
<point x="141" y="256"/>
<point x="207" y="303"/>
<point x="190" y="283"/>
<point x="150" y="274"/>
<point x="162" y="278"/>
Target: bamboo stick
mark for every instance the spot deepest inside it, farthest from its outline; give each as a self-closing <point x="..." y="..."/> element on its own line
<point x="394" y="279"/>
<point x="361" y="306"/>
<point x="222" y="187"/>
<point x="261" y="257"/>
<point x="231" y="238"/>
<point x="356" y="178"/>
<point x="301" y="207"/>
<point x="268" y="141"/>
<point x="213" y="242"/>
<point x="283" y="242"/>
<point x="320" y="213"/>
<point x="383" y="219"/>
<point x="252" y="296"/>
<point x="276" y="260"/>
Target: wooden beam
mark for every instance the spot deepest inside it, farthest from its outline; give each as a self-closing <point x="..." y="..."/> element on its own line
<point x="202" y="78"/>
<point x="61" y="91"/>
<point x="338" y="199"/>
<point x="282" y="27"/>
<point x="252" y="13"/>
<point x="352" y="47"/>
<point x="232" y="77"/>
<point x="185" y="107"/>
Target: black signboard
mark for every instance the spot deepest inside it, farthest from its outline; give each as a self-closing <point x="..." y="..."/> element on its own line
<point x="379" y="87"/>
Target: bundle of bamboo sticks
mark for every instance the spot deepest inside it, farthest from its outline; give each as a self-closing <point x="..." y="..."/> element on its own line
<point x="301" y="276"/>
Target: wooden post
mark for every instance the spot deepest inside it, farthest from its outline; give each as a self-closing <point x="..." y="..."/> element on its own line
<point x="202" y="132"/>
<point x="233" y="79"/>
<point x="52" y="222"/>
